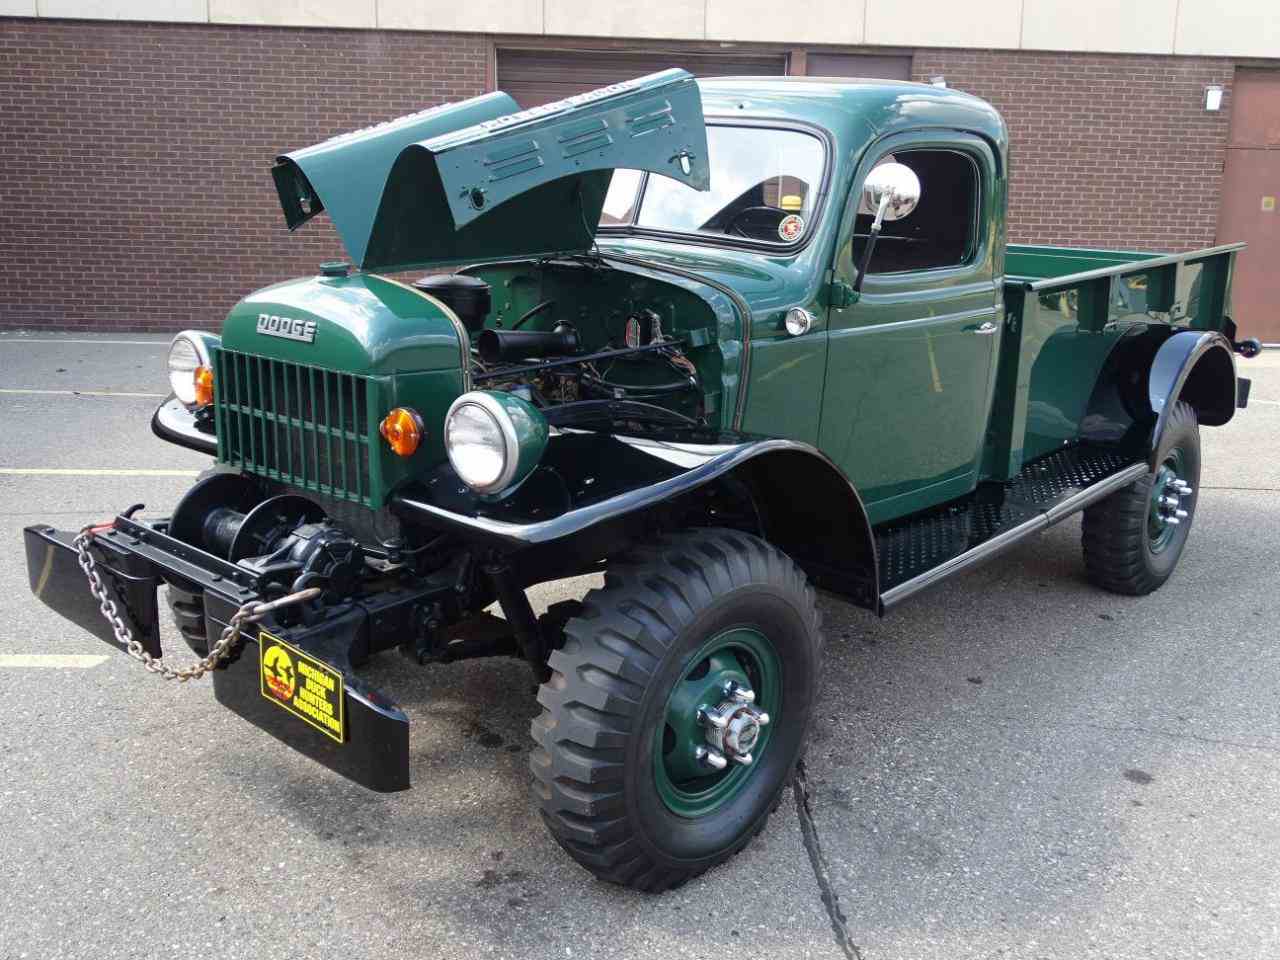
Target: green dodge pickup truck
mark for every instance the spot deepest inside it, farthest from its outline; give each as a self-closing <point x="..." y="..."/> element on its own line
<point x="721" y="341"/>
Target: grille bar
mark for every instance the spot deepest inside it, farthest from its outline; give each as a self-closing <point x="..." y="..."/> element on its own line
<point x="295" y="423"/>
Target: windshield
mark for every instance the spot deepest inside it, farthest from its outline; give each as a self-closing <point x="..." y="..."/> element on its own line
<point x="764" y="188"/>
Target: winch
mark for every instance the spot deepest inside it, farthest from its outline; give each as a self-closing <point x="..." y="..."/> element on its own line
<point x="285" y="539"/>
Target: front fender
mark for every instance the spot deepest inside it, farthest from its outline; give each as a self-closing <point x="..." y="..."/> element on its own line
<point x="590" y="485"/>
<point x="1197" y="367"/>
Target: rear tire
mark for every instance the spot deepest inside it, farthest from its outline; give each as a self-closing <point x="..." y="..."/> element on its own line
<point x="1130" y="547"/>
<point x="688" y="620"/>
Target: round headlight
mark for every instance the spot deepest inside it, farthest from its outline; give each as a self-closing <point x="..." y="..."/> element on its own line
<point x="493" y="439"/>
<point x="187" y="354"/>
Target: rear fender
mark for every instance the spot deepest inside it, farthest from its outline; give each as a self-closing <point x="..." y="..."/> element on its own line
<point x="1196" y="367"/>
<point x="1146" y="374"/>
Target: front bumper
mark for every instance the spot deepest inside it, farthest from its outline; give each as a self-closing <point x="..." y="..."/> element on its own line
<point x="134" y="558"/>
<point x="172" y="421"/>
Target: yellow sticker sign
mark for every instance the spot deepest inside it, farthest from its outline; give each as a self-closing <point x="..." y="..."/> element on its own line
<point x="308" y="688"/>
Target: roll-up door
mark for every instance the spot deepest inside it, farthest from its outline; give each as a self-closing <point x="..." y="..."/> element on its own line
<point x="535" y="77"/>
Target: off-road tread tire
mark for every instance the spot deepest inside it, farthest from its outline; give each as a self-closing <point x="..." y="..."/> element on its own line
<point x="598" y="679"/>
<point x="1117" y="554"/>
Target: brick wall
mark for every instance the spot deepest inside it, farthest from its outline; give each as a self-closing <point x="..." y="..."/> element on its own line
<point x="1107" y="150"/>
<point x="135" y="186"/>
<point x="135" y="190"/>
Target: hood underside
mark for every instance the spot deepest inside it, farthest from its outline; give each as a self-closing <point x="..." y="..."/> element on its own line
<point x="478" y="180"/>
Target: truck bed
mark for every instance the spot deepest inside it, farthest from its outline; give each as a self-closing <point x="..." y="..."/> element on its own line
<point x="1025" y="263"/>
<point x="1107" y="284"/>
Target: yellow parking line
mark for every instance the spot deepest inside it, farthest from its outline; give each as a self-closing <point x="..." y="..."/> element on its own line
<point x="82" y="393"/>
<point x="78" y="472"/>
<point x="74" y="661"/>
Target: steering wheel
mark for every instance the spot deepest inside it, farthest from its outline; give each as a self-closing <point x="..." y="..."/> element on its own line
<point x="762" y="222"/>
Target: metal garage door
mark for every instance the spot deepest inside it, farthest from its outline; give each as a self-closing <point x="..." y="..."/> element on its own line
<point x="535" y="77"/>
<point x="882" y="67"/>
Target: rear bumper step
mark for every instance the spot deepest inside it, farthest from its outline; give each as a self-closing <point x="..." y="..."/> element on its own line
<point x="134" y="559"/>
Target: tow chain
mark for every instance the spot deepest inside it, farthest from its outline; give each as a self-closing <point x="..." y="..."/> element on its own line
<point x="251" y="612"/>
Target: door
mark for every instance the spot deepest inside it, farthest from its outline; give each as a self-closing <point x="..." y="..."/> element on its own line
<point x="910" y="366"/>
<point x="881" y="66"/>
<point x="535" y="77"/>
<point x="1250" y="196"/>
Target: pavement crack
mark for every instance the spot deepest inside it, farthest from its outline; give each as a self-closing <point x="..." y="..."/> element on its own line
<point x="821" y="872"/>
<point x="1126" y="728"/>
<point x="1204" y="486"/>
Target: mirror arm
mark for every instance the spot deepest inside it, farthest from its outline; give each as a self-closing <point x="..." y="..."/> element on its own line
<point x="872" y="237"/>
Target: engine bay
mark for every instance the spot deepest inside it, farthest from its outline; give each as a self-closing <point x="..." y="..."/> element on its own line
<point x="587" y="343"/>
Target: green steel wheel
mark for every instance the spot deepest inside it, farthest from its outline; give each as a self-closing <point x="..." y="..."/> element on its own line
<point x="717" y="722"/>
<point x="1134" y="538"/>
<point x="677" y="707"/>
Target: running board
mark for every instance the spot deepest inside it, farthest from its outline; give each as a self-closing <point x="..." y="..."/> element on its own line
<point x="919" y="551"/>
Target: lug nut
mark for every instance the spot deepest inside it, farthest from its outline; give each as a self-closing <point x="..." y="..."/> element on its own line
<point x="1169" y="501"/>
<point x="1180" y="514"/>
<point x="762" y="718"/>
<point x="741" y="694"/>
<point x="744" y="758"/>
<point x="708" y="719"/>
<point x="710" y="758"/>
<point x="1173" y="520"/>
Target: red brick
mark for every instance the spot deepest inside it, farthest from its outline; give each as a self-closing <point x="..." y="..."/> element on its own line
<point x="136" y="189"/>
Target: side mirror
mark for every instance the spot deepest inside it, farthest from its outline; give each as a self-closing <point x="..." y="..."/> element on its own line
<point x="892" y="190"/>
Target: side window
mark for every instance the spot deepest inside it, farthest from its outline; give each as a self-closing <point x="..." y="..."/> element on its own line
<point x="942" y="231"/>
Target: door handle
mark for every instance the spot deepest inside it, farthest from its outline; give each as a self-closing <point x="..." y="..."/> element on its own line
<point x="986" y="329"/>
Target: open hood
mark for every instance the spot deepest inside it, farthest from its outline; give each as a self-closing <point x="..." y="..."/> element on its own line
<point x="479" y="181"/>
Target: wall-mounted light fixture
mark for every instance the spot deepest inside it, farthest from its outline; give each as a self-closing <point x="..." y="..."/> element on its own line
<point x="1213" y="96"/>
<point x="938" y="81"/>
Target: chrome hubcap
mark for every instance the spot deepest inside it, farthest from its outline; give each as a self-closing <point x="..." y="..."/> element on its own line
<point x="1169" y="504"/>
<point x="732" y="728"/>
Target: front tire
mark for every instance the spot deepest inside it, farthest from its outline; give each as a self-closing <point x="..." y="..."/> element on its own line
<point x="1134" y="538"/>
<point x="704" y="619"/>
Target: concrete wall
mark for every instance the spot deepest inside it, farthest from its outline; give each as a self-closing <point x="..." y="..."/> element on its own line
<point x="1240" y="28"/>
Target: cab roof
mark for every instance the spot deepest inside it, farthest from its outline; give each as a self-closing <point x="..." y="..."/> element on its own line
<point x="481" y="179"/>
<point x="861" y="109"/>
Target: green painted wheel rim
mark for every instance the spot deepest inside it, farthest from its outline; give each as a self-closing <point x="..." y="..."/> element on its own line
<point x="739" y="655"/>
<point x="1160" y="532"/>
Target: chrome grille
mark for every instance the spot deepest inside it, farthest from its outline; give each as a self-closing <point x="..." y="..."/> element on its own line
<point x="295" y="423"/>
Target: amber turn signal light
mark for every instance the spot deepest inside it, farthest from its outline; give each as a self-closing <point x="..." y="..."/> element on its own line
<point x="203" y="377"/>
<point x="402" y="429"/>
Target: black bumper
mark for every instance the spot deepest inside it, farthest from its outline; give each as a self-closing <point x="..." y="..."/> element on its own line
<point x="135" y="558"/>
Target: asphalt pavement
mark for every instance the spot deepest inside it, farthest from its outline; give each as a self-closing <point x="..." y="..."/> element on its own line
<point x="1012" y="765"/>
